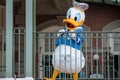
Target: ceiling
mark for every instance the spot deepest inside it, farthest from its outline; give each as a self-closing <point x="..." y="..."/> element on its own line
<point x="54" y="7"/>
<point x="59" y="7"/>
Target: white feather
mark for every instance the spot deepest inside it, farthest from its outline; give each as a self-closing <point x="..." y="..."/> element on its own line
<point x="67" y="59"/>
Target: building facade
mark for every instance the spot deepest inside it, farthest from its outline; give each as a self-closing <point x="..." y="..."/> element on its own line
<point x="28" y="29"/>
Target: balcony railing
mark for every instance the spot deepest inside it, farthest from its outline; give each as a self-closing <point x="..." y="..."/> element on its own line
<point x="104" y="45"/>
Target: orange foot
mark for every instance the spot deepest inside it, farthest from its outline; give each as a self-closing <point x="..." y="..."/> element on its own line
<point x="75" y="76"/>
<point x="55" y="73"/>
<point x="48" y="79"/>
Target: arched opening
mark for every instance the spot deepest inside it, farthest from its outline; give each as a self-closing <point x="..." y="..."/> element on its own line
<point x="113" y="26"/>
<point x="114" y="43"/>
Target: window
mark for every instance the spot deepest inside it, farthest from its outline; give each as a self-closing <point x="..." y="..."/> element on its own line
<point x="115" y="43"/>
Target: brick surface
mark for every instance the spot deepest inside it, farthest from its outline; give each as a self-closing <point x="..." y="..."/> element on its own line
<point x="97" y="16"/>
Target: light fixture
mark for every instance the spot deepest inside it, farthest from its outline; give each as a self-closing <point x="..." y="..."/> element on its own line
<point x="96" y="57"/>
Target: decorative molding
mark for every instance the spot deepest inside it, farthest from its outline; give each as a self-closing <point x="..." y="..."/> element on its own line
<point x="57" y="22"/>
<point x="46" y="24"/>
<point x="60" y="20"/>
<point x="111" y="26"/>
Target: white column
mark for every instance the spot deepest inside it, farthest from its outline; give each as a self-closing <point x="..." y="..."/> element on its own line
<point x="9" y="37"/>
<point x="29" y="46"/>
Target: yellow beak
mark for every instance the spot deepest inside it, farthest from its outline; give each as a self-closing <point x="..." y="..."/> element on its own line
<point x="71" y="24"/>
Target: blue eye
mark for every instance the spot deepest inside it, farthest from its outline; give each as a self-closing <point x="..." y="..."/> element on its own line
<point x="77" y="17"/>
<point x="69" y="14"/>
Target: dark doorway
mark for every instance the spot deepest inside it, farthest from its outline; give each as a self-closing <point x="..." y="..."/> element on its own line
<point x="116" y="65"/>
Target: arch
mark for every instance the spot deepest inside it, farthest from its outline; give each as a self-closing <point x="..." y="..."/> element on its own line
<point x="112" y="26"/>
<point x="53" y="25"/>
<point x="86" y="28"/>
<point x="46" y="24"/>
<point x="113" y="37"/>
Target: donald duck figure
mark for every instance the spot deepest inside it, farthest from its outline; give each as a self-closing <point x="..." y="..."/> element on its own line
<point x="68" y="57"/>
